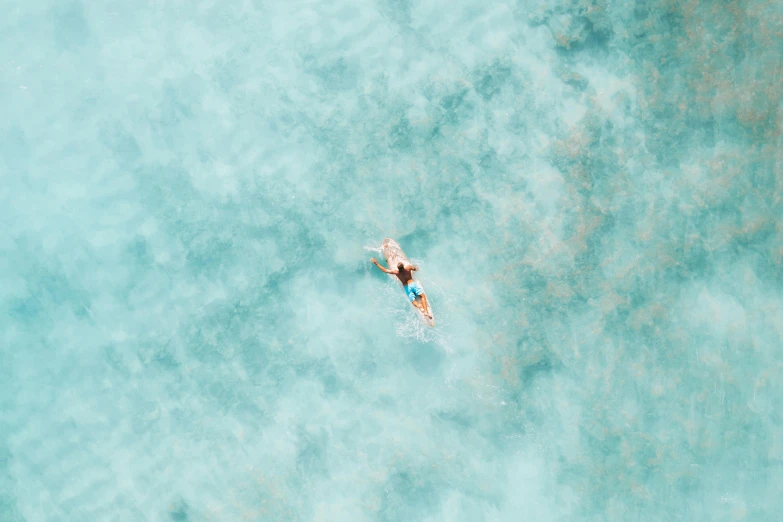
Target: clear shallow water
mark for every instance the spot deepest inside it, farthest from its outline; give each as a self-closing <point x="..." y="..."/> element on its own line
<point x="191" y="329"/>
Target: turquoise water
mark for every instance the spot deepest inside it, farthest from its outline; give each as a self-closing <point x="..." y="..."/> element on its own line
<point x="190" y="327"/>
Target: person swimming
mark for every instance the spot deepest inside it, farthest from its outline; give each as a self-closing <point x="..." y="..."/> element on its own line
<point x="412" y="288"/>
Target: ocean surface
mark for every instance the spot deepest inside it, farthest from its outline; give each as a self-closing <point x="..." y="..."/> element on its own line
<point x="190" y="326"/>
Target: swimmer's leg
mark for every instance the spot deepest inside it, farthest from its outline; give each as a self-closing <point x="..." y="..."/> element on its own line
<point x="424" y="306"/>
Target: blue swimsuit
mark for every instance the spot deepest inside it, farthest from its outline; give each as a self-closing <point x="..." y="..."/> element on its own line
<point x="414" y="289"/>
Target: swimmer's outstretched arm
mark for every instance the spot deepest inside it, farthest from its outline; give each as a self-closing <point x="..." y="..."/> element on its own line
<point x="383" y="268"/>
